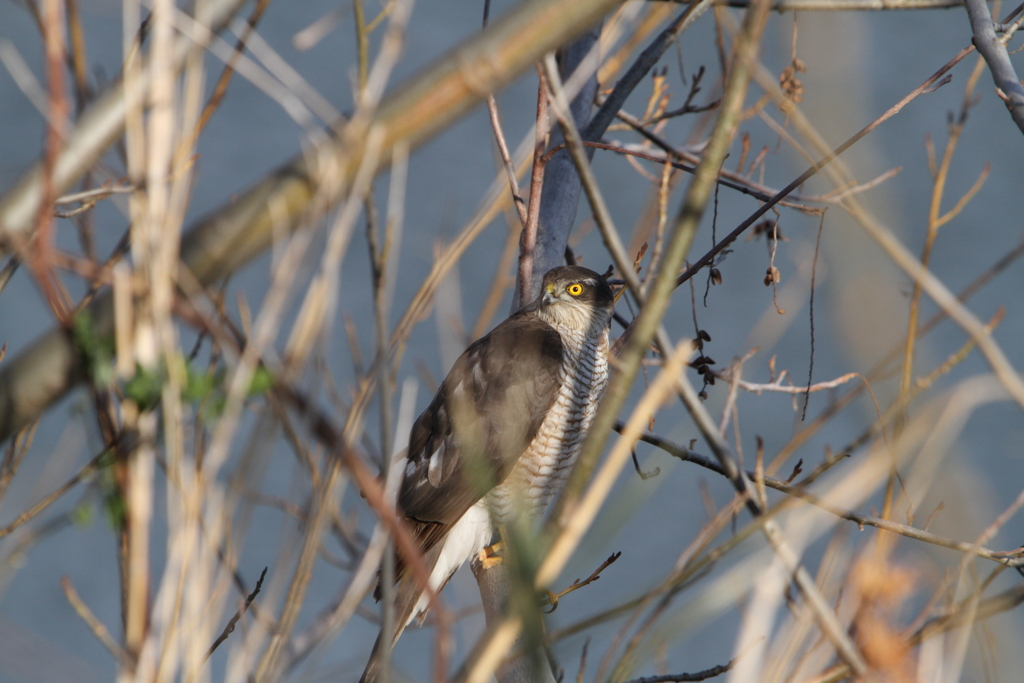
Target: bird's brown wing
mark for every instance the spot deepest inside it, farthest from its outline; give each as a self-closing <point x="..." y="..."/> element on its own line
<point x="479" y="423"/>
<point x="482" y="419"/>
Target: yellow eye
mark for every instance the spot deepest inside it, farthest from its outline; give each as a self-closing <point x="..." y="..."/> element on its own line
<point x="575" y="289"/>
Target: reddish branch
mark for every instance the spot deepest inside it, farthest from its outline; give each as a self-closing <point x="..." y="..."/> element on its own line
<point x="39" y="260"/>
<point x="528" y="242"/>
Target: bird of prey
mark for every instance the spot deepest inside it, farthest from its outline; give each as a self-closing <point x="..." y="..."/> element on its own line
<point x="503" y="431"/>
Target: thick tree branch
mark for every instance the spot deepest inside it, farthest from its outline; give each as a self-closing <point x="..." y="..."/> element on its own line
<point x="98" y="128"/>
<point x="561" y="193"/>
<point x="307" y="185"/>
<point x="993" y="50"/>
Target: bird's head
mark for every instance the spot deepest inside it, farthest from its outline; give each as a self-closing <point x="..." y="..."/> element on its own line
<point x="576" y="296"/>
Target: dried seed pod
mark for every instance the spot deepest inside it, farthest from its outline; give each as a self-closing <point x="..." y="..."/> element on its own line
<point x="790" y="84"/>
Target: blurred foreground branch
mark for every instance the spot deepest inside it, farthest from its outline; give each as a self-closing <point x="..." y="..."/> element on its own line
<point x="98" y="128"/>
<point x="309" y="184"/>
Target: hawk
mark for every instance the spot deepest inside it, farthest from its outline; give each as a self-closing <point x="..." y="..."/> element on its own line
<point x="503" y="431"/>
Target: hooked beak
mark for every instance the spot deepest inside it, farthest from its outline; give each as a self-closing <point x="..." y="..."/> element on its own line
<point x="548" y="297"/>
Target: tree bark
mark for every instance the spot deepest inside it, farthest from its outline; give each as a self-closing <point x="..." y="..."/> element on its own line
<point x="495" y="585"/>
<point x="561" y="194"/>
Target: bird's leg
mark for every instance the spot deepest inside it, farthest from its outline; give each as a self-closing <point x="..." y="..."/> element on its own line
<point x="492" y="555"/>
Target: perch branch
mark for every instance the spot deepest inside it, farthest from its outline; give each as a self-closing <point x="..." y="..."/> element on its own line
<point x="993" y="51"/>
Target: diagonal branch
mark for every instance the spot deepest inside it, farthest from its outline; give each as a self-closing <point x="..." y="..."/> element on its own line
<point x="97" y="129"/>
<point x="830" y="156"/>
<point x="97" y="627"/>
<point x="299" y="190"/>
<point x="1010" y="558"/>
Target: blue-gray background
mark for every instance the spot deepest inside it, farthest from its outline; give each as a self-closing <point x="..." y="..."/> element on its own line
<point x="859" y="64"/>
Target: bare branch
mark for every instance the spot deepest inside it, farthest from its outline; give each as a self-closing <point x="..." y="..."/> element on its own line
<point x="993" y="50"/>
<point x="553" y="598"/>
<point x="230" y="627"/>
<point x="95" y="625"/>
<point x="825" y="161"/>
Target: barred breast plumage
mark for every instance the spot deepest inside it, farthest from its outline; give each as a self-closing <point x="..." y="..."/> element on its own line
<point x="542" y="470"/>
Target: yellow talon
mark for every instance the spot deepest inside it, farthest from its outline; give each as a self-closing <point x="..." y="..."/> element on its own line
<point x="491" y="555"/>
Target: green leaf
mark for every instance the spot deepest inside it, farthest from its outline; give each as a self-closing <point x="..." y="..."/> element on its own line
<point x="262" y="381"/>
<point x="97" y="350"/>
<point x="116" y="509"/>
<point x="200" y="385"/>
<point x="145" y="387"/>
<point x="81" y="515"/>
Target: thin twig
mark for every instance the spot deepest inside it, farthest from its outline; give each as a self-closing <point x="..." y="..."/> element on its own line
<point x="230" y="627"/>
<point x="934" y="209"/>
<point x="779" y="387"/>
<point x="96" y="193"/>
<point x="95" y="625"/>
<point x="726" y="179"/>
<point x="34" y="511"/>
<point x="683" y="678"/>
<point x="528" y="241"/>
<point x="1010" y="558"/>
<point x="221" y="87"/>
<point x="810" y="308"/>
<point x="499" y="138"/>
<point x="553" y="598"/>
<point x="506" y="159"/>
<point x="814" y="168"/>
